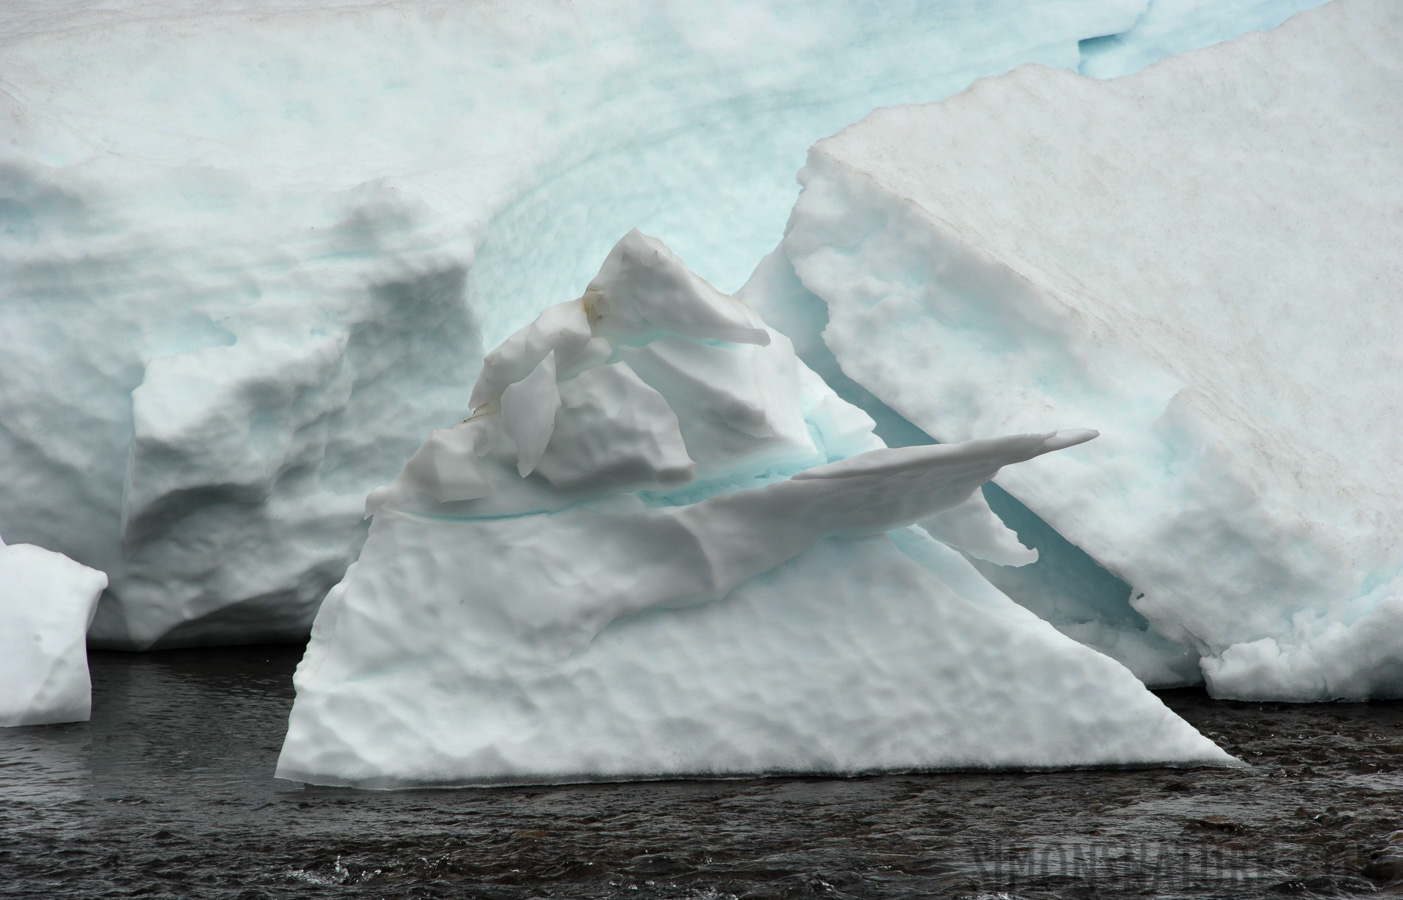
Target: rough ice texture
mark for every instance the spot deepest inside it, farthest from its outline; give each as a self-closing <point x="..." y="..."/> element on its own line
<point x="700" y="582"/>
<point x="248" y="248"/>
<point x="1202" y="260"/>
<point x="46" y="603"/>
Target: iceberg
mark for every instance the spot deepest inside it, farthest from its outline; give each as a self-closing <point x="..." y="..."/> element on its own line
<point x="248" y="252"/>
<point x="661" y="546"/>
<point x="1198" y="259"/>
<point x="46" y="603"/>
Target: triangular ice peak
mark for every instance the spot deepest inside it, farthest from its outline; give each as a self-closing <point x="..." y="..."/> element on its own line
<point x="662" y="548"/>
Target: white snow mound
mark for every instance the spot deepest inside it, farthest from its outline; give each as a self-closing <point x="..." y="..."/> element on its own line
<point x="46" y="603"/>
<point x="661" y="546"/>
<point x="1204" y="260"/>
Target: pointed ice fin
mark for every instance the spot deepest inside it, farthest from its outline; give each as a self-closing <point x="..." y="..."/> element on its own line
<point x="644" y="287"/>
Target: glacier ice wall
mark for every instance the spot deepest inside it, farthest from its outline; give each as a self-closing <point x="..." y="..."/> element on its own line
<point x="249" y="249"/>
<point x="46" y="603"/>
<point x="660" y="546"/>
<point x="241" y="274"/>
<point x="1200" y="260"/>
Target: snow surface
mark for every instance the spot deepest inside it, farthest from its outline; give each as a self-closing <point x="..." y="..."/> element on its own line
<point x="46" y="603"/>
<point x="702" y="584"/>
<point x="249" y="251"/>
<point x="1202" y="260"/>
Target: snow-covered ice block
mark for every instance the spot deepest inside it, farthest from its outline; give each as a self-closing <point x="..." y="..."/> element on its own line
<point x="694" y="578"/>
<point x="46" y="603"/>
<point x="1202" y="260"/>
<point x="1063" y="585"/>
<point x="247" y="250"/>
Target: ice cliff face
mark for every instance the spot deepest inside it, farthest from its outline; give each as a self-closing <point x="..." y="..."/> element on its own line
<point x="46" y="603"/>
<point x="250" y="252"/>
<point x="1204" y="261"/>
<point x="660" y="547"/>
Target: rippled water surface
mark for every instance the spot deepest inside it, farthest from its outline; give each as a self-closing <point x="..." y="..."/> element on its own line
<point x="168" y="792"/>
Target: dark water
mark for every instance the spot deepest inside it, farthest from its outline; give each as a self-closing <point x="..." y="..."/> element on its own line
<point x="168" y="793"/>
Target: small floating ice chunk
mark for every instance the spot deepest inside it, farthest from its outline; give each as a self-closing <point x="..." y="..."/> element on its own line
<point x="46" y="604"/>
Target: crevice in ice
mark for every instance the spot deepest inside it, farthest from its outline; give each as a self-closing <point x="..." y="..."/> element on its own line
<point x="1091" y="47"/>
<point x="1065" y="586"/>
<point x="1098" y="595"/>
<point x="1167" y="27"/>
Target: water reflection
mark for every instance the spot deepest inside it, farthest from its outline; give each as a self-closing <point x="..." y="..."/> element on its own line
<point x="45" y="764"/>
